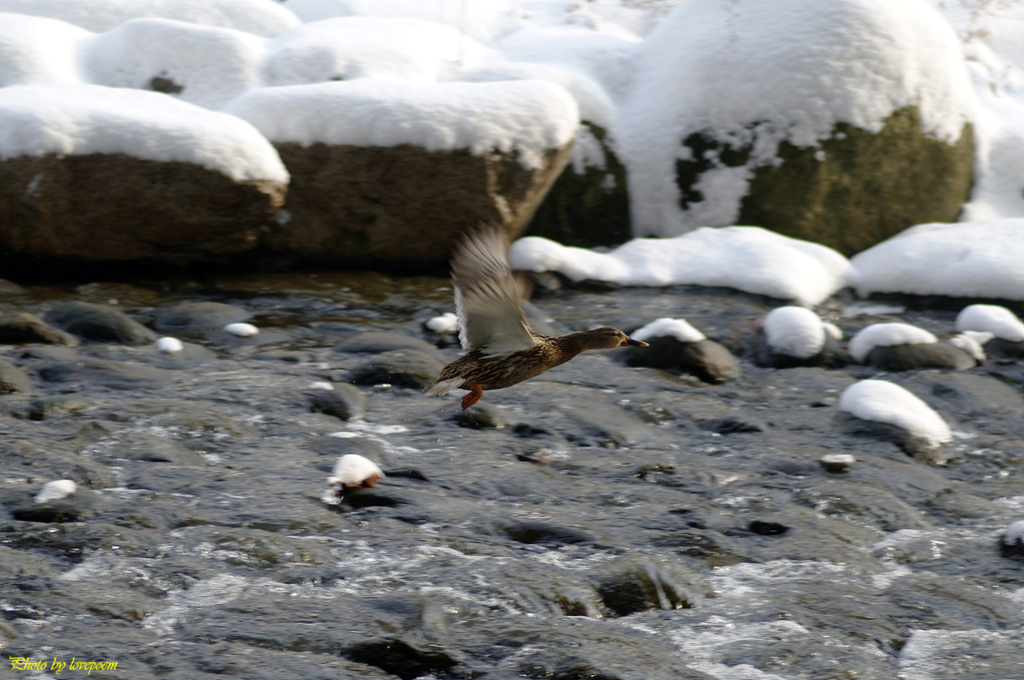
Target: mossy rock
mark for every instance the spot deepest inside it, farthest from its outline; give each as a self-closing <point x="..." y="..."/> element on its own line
<point x="589" y="204"/>
<point x="855" y="191"/>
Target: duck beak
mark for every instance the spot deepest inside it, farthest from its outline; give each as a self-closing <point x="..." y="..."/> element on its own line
<point x="630" y="342"/>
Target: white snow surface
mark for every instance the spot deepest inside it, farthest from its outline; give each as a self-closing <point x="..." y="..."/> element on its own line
<point x="56" y="490"/>
<point x="1014" y="533"/>
<point x="527" y="117"/>
<point x="213" y="65"/>
<point x="759" y="73"/>
<point x="262" y="17"/>
<point x="38" y="50"/>
<point x="446" y="323"/>
<point x="169" y="345"/>
<point x="676" y="328"/>
<point x="242" y="330"/>
<point x="88" y="119"/>
<point x="482" y="20"/>
<point x="353" y="469"/>
<point x="970" y="344"/>
<point x="887" y="335"/>
<point x="967" y="259"/>
<point x="794" y="331"/>
<point x="994" y="319"/>
<point x="750" y="259"/>
<point x="886" y="402"/>
<point x="369" y="47"/>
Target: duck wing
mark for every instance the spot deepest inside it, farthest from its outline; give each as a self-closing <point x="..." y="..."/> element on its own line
<point x="487" y="297"/>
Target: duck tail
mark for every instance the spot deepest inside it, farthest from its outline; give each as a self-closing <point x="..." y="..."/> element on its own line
<point x="442" y="387"/>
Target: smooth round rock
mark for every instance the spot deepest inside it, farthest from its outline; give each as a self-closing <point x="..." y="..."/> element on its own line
<point x="12" y="379"/>
<point x="344" y="401"/>
<point x="402" y="368"/>
<point x="99" y="323"/>
<point x="17" y="328"/>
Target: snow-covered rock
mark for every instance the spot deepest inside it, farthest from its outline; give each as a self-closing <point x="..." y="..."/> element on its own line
<point x="353" y="470"/>
<point x="676" y="345"/>
<point x="796" y="336"/>
<point x="884" y="402"/>
<point x="113" y="174"/>
<point x="55" y="491"/>
<point x="746" y="258"/>
<point x="969" y="259"/>
<point x="799" y="116"/>
<point x="902" y="347"/>
<point x="204" y="65"/>
<point x="887" y="335"/>
<point x="994" y="319"/>
<point x="346" y="48"/>
<point x="389" y="173"/>
<point x="261" y="17"/>
<point x="38" y="50"/>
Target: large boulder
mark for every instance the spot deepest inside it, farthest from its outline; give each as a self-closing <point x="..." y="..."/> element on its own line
<point x="387" y="174"/>
<point x="841" y="122"/>
<point x="95" y="175"/>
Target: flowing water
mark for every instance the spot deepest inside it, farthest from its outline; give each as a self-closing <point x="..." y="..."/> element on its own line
<point x="676" y="529"/>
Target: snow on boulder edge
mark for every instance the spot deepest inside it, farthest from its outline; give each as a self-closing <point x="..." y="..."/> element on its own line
<point x="96" y="174"/>
<point x="387" y="174"/>
<point x="799" y="116"/>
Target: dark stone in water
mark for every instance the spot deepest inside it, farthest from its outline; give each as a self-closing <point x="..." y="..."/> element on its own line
<point x="705" y="359"/>
<point x="377" y="342"/>
<point x="542" y="533"/>
<point x="400" y="658"/>
<point x="910" y="357"/>
<point x="832" y="355"/>
<point x="481" y="416"/>
<point x="603" y="425"/>
<point x="762" y="528"/>
<point x="203" y="314"/>
<point x="401" y="368"/>
<point x="18" y="328"/>
<point x="914" y="446"/>
<point x="729" y="426"/>
<point x="82" y="504"/>
<point x="1004" y="348"/>
<point x="118" y="375"/>
<point x="98" y="323"/>
<point x="345" y="401"/>
<point x="637" y="584"/>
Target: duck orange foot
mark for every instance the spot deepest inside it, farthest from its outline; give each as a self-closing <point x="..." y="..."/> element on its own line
<point x="474" y="396"/>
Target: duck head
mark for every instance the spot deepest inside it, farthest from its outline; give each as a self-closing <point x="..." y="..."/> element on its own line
<point x="607" y="338"/>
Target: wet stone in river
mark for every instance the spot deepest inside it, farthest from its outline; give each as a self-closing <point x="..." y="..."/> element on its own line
<point x="401" y="368"/>
<point x="204" y="314"/>
<point x="21" y="327"/>
<point x="12" y="379"/>
<point x="98" y="323"/>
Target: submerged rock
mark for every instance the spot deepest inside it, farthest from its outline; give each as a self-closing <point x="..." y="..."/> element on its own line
<point x="400" y="367"/>
<point x="18" y="328"/>
<point x="204" y="314"/>
<point x="99" y="323"/>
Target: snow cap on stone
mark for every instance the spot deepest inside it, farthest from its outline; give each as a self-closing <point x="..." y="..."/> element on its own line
<point x="886" y="402"/>
<point x="676" y="328"/>
<point x="994" y="319"/>
<point x="355" y="470"/>
<point x="794" y="331"/>
<point x="56" y="490"/>
<point x="887" y="335"/>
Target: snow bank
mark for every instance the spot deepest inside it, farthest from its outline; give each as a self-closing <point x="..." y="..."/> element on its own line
<point x="969" y="259"/>
<point x="991" y="35"/>
<point x="262" y="17"/>
<point x="887" y="335"/>
<point x="676" y="328"/>
<point x="482" y="20"/>
<point x="527" y="117"/>
<point x="999" y="321"/>
<point x="85" y="119"/>
<point x="750" y="259"/>
<point x="213" y="65"/>
<point x="38" y="50"/>
<point x="794" y="331"/>
<point x="758" y="73"/>
<point x="369" y="47"/>
<point x="886" y="402"/>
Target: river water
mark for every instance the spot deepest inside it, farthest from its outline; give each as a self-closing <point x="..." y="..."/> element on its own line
<point x="676" y="529"/>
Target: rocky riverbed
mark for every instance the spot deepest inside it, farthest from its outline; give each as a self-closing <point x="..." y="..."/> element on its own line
<point x="676" y="529"/>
